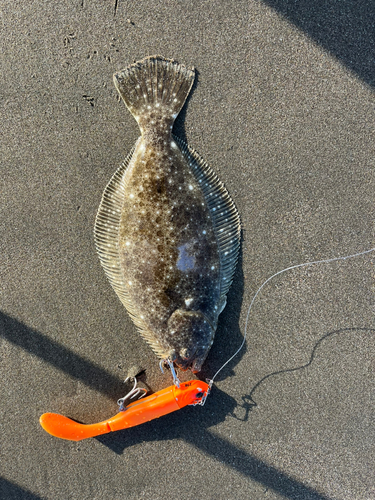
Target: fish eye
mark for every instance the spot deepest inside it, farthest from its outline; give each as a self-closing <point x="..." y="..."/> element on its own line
<point x="199" y="395"/>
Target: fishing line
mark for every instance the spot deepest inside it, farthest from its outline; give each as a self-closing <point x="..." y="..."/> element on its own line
<point x="211" y="381"/>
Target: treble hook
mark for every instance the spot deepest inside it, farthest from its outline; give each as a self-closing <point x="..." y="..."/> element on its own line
<point x="135" y="391"/>
<point x="167" y="361"/>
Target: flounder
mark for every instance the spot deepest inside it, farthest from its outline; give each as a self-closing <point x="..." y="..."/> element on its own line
<point x="167" y="231"/>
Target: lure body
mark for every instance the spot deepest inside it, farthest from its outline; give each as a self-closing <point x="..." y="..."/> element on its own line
<point x="167" y="231"/>
<point x="161" y="403"/>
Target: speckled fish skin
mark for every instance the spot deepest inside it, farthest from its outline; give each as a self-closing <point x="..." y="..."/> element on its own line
<point x="167" y="232"/>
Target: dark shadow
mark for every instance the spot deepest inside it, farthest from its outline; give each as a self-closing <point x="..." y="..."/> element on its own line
<point x="253" y="468"/>
<point x="60" y="357"/>
<point x="248" y="401"/>
<point x="346" y="29"/>
<point x="192" y="425"/>
<point x="179" y="124"/>
<point x="11" y="491"/>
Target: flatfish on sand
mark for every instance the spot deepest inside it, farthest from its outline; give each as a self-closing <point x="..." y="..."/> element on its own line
<point x="167" y="231"/>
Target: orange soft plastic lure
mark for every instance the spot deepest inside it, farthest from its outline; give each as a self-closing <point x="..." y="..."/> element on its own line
<point x="158" y="404"/>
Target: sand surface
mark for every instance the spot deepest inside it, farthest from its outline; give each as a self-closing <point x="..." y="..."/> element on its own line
<point x="283" y="111"/>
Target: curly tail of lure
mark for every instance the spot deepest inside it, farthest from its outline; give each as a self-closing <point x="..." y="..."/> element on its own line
<point x="161" y="403"/>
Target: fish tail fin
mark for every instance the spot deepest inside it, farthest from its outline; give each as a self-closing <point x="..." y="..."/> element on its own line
<point x="154" y="88"/>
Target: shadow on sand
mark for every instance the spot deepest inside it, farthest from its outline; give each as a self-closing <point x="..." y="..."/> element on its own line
<point x="193" y="428"/>
<point x="11" y="491"/>
<point x="345" y="29"/>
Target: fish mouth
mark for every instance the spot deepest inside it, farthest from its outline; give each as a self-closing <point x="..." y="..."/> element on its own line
<point x="190" y="335"/>
<point x="192" y="362"/>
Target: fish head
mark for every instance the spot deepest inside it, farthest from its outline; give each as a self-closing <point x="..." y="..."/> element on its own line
<point x="190" y="336"/>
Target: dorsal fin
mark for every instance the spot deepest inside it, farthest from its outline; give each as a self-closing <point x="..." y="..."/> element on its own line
<point x="107" y="226"/>
<point x="223" y="212"/>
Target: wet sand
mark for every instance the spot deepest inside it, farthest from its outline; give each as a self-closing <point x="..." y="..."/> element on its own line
<point x="288" y="124"/>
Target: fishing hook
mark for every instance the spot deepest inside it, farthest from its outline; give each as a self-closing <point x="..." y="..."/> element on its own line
<point x="135" y="391"/>
<point x="168" y="362"/>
